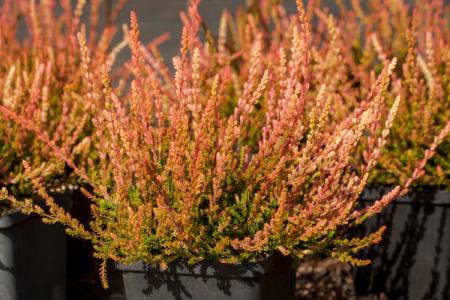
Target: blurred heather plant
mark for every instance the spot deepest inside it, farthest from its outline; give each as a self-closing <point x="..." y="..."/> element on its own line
<point x="234" y="157"/>
<point x="359" y="42"/>
<point x="44" y="82"/>
<point x="349" y="51"/>
<point x="419" y="36"/>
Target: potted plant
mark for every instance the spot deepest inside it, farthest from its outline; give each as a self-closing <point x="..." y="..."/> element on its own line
<point x="413" y="259"/>
<point x="196" y="196"/>
<point x="42" y="80"/>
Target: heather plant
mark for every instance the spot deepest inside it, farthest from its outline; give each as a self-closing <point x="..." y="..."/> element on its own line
<point x="230" y="159"/>
<point x="348" y="52"/>
<point x="418" y="35"/>
<point x="43" y="79"/>
<point x="371" y="32"/>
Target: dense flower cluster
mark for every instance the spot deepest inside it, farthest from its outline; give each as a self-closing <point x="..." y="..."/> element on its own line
<point x="422" y="44"/>
<point x="43" y="81"/>
<point x="418" y="36"/>
<point x="236" y="155"/>
<point x="348" y="52"/>
<point x="368" y="34"/>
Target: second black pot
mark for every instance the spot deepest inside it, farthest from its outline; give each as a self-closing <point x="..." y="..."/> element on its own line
<point x="413" y="259"/>
<point x="273" y="278"/>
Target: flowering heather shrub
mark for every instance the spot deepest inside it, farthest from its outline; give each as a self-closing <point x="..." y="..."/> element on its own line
<point x="43" y="81"/>
<point x="371" y="32"/>
<point x="232" y="158"/>
<point x="422" y="44"/>
<point x="347" y="54"/>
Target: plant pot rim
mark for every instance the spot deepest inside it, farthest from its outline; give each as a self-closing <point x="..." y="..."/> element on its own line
<point x="13" y="217"/>
<point x="417" y="196"/>
<point x="207" y="268"/>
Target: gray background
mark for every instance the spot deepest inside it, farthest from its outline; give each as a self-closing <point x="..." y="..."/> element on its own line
<point x="159" y="16"/>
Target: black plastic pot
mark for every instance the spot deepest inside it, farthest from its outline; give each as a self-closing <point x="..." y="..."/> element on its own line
<point x="273" y="278"/>
<point x="32" y="258"/>
<point x="413" y="259"/>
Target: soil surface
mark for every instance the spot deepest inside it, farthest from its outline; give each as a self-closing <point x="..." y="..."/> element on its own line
<point x="327" y="279"/>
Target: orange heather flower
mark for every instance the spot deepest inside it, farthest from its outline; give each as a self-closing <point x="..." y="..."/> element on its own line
<point x="420" y="41"/>
<point x="45" y="74"/>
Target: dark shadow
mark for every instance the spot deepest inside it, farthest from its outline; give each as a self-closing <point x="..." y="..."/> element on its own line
<point x="410" y="262"/>
<point x="155" y="280"/>
<point x="432" y="289"/>
<point x="273" y="278"/>
<point x="446" y="291"/>
<point x="36" y="260"/>
<point x="83" y="282"/>
<point x="183" y="281"/>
